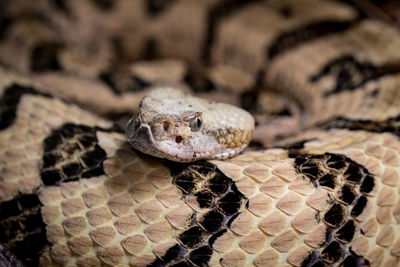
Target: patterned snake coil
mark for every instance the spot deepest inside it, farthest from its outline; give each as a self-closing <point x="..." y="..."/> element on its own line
<point x="74" y="193"/>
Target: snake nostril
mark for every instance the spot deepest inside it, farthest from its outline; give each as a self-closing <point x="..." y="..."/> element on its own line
<point x="178" y="139"/>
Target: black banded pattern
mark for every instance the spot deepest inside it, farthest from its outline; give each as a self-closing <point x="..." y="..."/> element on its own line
<point x="70" y="153"/>
<point x="9" y="102"/>
<point x="351" y="74"/>
<point x="391" y="125"/>
<point x="214" y="192"/>
<point x="22" y="230"/>
<point x="345" y="181"/>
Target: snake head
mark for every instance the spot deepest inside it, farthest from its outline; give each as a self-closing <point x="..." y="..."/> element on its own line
<point x="174" y="125"/>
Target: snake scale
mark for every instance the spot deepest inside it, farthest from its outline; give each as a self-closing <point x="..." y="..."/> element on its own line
<point x="73" y="192"/>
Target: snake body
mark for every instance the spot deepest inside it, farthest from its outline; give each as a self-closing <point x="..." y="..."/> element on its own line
<point x="73" y="192"/>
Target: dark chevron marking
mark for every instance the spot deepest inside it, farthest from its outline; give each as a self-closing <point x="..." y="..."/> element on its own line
<point x="390" y="125"/>
<point x="155" y="7"/>
<point x="62" y="6"/>
<point x="9" y="103"/>
<point x="105" y="5"/>
<point x="333" y="252"/>
<point x="198" y="80"/>
<point x="218" y="194"/>
<point x="297" y="145"/>
<point x="22" y="230"/>
<point x="123" y="81"/>
<point x="44" y="57"/>
<point x="295" y="37"/>
<point x="5" y="23"/>
<point x="250" y="102"/>
<point x="351" y="74"/>
<point x="70" y="153"/>
<point x="150" y="49"/>
<point x="324" y="170"/>
<point x="221" y="10"/>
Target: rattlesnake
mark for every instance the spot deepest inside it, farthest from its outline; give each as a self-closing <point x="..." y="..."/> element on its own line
<point x="73" y="192"/>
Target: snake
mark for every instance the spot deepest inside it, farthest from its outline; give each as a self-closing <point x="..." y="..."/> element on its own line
<point x="183" y="184"/>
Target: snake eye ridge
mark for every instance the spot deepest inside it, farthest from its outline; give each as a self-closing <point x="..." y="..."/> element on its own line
<point x="196" y="124"/>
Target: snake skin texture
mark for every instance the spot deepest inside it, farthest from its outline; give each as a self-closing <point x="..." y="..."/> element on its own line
<point x="74" y="193"/>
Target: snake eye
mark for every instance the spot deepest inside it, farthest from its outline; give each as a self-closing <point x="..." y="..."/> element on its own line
<point x="196" y="124"/>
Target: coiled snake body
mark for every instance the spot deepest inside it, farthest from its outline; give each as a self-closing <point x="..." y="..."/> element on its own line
<point x="74" y="193"/>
